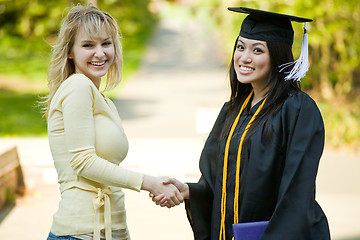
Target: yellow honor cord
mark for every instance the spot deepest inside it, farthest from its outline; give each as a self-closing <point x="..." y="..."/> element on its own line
<point x="226" y="156"/>
<point x="237" y="177"/>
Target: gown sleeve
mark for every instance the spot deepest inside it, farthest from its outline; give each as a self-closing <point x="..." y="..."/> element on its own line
<point x="199" y="205"/>
<point x="77" y="106"/>
<point x="297" y="215"/>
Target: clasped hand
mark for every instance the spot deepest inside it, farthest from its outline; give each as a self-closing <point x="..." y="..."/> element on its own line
<point x="162" y="199"/>
<point x="167" y="194"/>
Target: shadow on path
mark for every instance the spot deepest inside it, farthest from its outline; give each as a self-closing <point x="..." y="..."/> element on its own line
<point x="5" y="211"/>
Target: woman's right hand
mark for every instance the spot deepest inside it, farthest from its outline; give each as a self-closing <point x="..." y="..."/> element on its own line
<point x="170" y="195"/>
<point x="182" y="187"/>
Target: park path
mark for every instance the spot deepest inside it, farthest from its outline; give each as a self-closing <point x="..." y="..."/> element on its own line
<point x="167" y="109"/>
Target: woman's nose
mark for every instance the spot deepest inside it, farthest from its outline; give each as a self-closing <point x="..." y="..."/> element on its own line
<point x="99" y="52"/>
<point x="246" y="57"/>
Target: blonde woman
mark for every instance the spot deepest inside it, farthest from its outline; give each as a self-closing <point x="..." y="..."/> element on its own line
<point x="86" y="137"/>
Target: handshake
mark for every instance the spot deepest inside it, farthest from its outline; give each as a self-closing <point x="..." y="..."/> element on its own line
<point x="165" y="191"/>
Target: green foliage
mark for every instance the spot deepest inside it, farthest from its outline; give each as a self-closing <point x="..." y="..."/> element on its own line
<point x="342" y="123"/>
<point x="24" y="58"/>
<point x="20" y="114"/>
<point x="26" y="29"/>
<point x="335" y="47"/>
<point x="30" y="19"/>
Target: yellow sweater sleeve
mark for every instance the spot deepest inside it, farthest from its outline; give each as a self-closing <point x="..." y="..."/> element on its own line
<point x="77" y="106"/>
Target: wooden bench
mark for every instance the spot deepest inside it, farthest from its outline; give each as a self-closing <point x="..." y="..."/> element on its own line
<point x="11" y="176"/>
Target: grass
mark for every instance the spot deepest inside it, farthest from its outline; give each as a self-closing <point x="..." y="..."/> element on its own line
<point x="20" y="114"/>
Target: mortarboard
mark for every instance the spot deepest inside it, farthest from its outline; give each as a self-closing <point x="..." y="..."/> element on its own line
<point x="275" y="27"/>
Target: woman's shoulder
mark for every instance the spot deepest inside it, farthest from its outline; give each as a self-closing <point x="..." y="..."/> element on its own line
<point x="298" y="100"/>
<point x="76" y="83"/>
<point x="299" y="103"/>
<point x="78" y="79"/>
<point x="225" y="106"/>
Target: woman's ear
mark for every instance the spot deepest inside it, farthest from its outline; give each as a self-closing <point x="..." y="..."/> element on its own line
<point x="70" y="55"/>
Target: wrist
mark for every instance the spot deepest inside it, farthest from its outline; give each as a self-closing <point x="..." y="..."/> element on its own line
<point x="147" y="183"/>
<point x="186" y="194"/>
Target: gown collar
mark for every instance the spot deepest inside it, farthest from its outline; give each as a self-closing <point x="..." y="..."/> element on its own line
<point x="251" y="110"/>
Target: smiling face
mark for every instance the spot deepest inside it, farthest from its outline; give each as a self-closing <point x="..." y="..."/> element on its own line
<point x="252" y="62"/>
<point x="92" y="55"/>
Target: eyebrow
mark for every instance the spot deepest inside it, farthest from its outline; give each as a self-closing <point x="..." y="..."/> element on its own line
<point x="254" y="44"/>
<point x="90" y="41"/>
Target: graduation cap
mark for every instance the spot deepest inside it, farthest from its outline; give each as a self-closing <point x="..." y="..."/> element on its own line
<point x="275" y="27"/>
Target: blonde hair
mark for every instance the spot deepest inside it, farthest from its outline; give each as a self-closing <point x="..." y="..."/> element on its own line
<point x="61" y="67"/>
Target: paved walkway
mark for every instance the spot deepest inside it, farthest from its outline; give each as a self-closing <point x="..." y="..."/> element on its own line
<point x="167" y="109"/>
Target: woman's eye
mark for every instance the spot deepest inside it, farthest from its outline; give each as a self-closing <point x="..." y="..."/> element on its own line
<point x="107" y="43"/>
<point x="240" y="47"/>
<point x="258" y="50"/>
<point x="88" y="45"/>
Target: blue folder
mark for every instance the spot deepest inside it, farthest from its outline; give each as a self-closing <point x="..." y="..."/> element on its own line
<point x="249" y="230"/>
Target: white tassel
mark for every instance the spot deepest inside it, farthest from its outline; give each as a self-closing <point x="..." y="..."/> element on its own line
<point x="301" y="65"/>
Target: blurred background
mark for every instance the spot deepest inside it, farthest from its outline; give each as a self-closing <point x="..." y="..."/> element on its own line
<point x="28" y="28"/>
<point x="176" y="55"/>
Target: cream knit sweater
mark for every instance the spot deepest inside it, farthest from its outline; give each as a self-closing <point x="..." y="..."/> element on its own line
<point x="88" y="143"/>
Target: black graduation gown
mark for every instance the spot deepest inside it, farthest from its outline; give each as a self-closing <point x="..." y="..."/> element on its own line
<point x="277" y="179"/>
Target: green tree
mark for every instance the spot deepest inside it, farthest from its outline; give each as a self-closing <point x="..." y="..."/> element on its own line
<point x="335" y="46"/>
